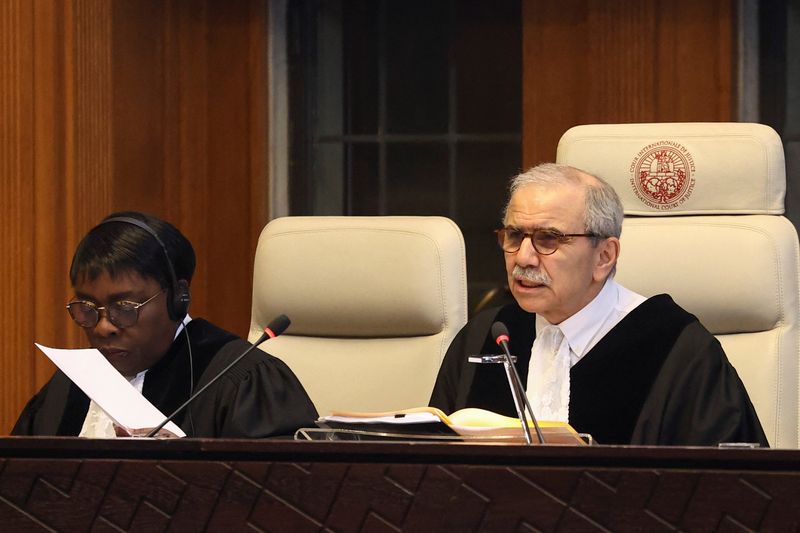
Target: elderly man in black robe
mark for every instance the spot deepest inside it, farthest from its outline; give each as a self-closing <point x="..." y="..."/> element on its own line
<point x="131" y="276"/>
<point x="624" y="368"/>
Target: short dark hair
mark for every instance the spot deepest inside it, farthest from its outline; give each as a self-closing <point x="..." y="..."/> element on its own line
<point x="118" y="247"/>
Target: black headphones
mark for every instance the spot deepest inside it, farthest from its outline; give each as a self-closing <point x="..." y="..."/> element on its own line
<point x="177" y="296"/>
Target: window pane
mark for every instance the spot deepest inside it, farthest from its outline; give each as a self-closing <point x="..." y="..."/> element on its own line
<point x="361" y="44"/>
<point x="329" y="85"/>
<point x="417" y="179"/>
<point x="483" y="172"/>
<point x="381" y="94"/>
<point x="487" y="55"/>
<point x="364" y="181"/>
<point x="327" y="189"/>
<point x="416" y="43"/>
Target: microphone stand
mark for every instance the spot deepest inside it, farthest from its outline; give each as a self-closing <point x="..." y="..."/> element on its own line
<point x="521" y="401"/>
<point x="199" y="391"/>
<point x="273" y="329"/>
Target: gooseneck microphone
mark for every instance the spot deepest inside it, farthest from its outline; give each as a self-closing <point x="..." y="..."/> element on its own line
<point x="500" y="334"/>
<point x="273" y="329"/>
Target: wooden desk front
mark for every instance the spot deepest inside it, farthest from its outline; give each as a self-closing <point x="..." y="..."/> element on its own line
<point x="71" y="485"/>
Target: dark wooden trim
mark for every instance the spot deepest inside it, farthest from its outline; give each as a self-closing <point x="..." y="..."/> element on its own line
<point x="192" y="485"/>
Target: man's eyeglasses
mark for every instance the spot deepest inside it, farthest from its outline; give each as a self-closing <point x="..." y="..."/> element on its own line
<point x="123" y="314"/>
<point x="545" y="241"/>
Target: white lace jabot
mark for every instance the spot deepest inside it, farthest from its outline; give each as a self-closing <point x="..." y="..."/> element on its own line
<point x="548" y="375"/>
<point x="97" y="424"/>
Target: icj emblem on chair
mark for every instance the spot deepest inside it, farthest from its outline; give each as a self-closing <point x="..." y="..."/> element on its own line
<point x="662" y="175"/>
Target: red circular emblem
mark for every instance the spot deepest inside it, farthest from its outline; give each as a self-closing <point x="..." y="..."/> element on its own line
<point x="662" y="175"/>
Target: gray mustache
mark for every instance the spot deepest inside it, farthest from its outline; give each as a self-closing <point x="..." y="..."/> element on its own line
<point x="533" y="275"/>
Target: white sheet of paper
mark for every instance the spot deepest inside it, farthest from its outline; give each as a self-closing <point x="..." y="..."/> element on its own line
<point x="101" y="382"/>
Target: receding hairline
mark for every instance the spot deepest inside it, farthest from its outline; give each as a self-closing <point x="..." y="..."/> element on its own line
<point x="550" y="176"/>
<point x="581" y="184"/>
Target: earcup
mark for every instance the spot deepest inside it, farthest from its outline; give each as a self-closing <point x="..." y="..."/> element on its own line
<point x="178" y="301"/>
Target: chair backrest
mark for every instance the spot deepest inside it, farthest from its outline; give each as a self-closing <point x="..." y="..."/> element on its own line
<point x="374" y="303"/>
<point x="703" y="205"/>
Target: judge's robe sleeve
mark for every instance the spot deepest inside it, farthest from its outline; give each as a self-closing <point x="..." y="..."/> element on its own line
<point x="30" y="419"/>
<point x="59" y="408"/>
<point x="445" y="389"/>
<point x="456" y="376"/>
<point x="259" y="397"/>
<point x="697" y="398"/>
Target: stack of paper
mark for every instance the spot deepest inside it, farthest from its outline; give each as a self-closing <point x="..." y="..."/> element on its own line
<point x="470" y="423"/>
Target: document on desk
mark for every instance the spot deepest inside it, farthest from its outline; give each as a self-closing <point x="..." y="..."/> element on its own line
<point x="101" y="382"/>
<point x="470" y="423"/>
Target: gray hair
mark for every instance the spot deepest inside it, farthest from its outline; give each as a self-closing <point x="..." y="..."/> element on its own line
<point x="603" y="212"/>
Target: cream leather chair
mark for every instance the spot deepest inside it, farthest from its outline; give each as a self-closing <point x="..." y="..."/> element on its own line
<point x="703" y="204"/>
<point x="374" y="303"/>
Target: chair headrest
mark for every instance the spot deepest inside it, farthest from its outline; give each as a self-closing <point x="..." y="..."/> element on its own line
<point x="683" y="168"/>
<point x="347" y="276"/>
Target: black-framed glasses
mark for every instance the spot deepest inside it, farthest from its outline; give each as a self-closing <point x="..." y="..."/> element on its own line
<point x="545" y="241"/>
<point x="122" y="314"/>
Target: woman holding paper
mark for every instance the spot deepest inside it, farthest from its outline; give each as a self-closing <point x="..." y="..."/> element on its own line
<point x="131" y="275"/>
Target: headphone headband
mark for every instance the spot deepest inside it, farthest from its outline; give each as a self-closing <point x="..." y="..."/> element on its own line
<point x="178" y="299"/>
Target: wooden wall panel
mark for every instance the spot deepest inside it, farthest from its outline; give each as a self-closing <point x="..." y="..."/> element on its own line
<point x="624" y="61"/>
<point x="125" y="104"/>
<point x="228" y="151"/>
<point x="54" y="217"/>
<point x="17" y="262"/>
<point x="138" y="73"/>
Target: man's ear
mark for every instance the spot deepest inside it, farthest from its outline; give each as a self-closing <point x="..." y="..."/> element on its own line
<point x="606" y="255"/>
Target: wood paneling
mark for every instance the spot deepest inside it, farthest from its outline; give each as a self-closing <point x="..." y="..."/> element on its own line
<point x="588" y="62"/>
<point x="53" y="219"/>
<point x="17" y="241"/>
<point x="125" y="104"/>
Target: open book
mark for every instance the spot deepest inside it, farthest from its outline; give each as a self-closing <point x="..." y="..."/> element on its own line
<point x="469" y="423"/>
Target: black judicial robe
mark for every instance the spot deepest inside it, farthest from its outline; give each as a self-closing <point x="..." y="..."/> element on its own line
<point x="658" y="377"/>
<point x="259" y="397"/>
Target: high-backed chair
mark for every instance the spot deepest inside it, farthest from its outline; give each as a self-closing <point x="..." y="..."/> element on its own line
<point x="374" y="303"/>
<point x="703" y="205"/>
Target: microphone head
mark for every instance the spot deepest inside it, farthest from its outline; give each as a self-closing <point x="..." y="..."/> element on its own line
<point x="277" y="326"/>
<point x="499" y="332"/>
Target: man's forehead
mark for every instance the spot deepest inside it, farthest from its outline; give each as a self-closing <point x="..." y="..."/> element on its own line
<point x="557" y="188"/>
<point x="551" y="200"/>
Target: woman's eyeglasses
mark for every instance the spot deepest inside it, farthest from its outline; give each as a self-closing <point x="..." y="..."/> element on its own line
<point x="122" y="314"/>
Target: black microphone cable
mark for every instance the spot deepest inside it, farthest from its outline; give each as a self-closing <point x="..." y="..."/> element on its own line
<point x="191" y="374"/>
